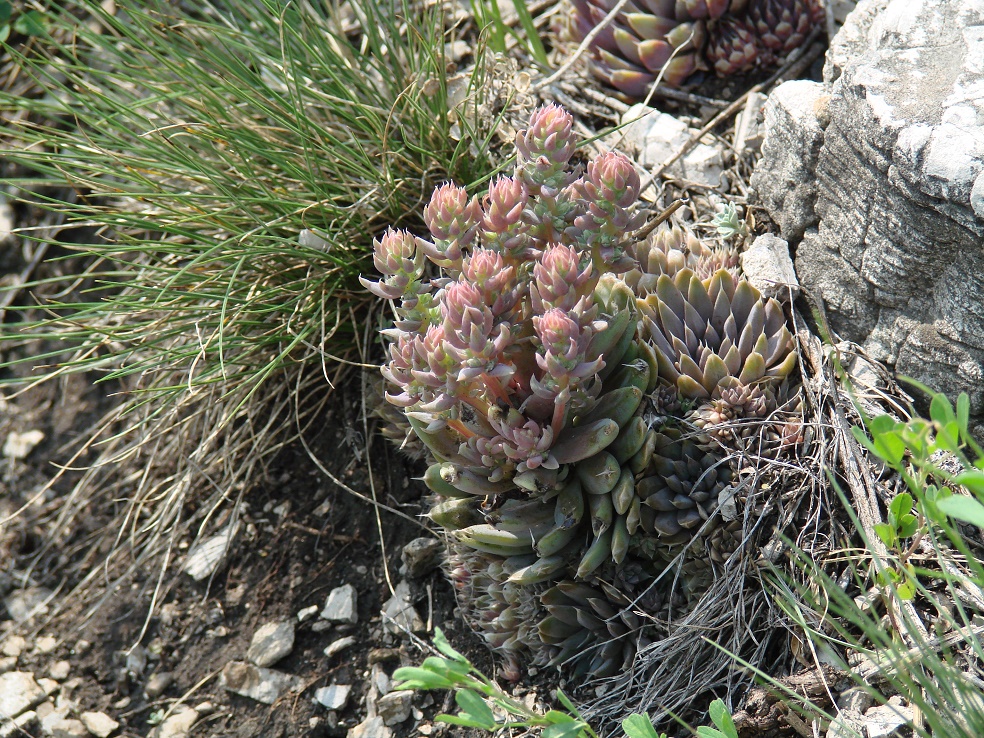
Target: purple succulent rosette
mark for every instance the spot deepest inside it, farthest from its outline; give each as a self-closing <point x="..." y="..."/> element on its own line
<point x="672" y="39"/>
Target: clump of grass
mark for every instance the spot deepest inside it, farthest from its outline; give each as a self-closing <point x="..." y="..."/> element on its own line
<point x="234" y="162"/>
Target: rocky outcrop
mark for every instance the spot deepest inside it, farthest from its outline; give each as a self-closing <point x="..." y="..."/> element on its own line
<point x="880" y="171"/>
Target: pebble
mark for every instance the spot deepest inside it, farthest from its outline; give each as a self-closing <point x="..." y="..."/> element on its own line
<point x="177" y="725"/>
<point x="50" y="686"/>
<point x="59" y="670"/>
<point x="81" y="647"/>
<point x="370" y="728"/>
<point x="257" y="683"/>
<point x="23" y="604"/>
<point x="333" y="696"/>
<point x="19" y="445"/>
<point x="307" y="613"/>
<point x="340" y="607"/>
<point x="399" y="616"/>
<point x="204" y="558"/>
<point x="8" y="663"/>
<point x="321" y="626"/>
<point x="46" y="644"/>
<point x="394" y="707"/>
<point x="136" y="661"/>
<point x="158" y="684"/>
<point x="768" y="266"/>
<point x="68" y="728"/>
<point x="886" y="721"/>
<point x="339" y="645"/>
<point x="205" y="708"/>
<point x="271" y="642"/>
<point x="19" y="726"/>
<point x="14" y="646"/>
<point x="18" y="692"/>
<point x="99" y="724"/>
<point x="421" y="556"/>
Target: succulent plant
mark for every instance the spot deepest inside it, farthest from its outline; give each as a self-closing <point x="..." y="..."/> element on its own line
<point x="573" y="389"/>
<point x="676" y="38"/>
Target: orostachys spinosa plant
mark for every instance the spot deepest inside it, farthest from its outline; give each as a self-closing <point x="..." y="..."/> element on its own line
<point x="677" y="38"/>
<point x="581" y="396"/>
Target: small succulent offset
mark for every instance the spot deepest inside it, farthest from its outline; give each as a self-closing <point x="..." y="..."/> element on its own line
<point x="576" y="391"/>
<point x="676" y="38"/>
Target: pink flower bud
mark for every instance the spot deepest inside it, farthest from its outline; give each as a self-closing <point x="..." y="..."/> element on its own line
<point x="395" y="253"/>
<point x="487" y="270"/>
<point x="612" y="178"/>
<point x="558" y="333"/>
<point x="549" y="135"/>
<point x="557" y="278"/>
<point x="450" y="215"/>
<point x="504" y="205"/>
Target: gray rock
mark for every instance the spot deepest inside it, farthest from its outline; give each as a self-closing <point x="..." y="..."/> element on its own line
<point x="158" y="684"/>
<point x="271" y="642"/>
<point x="206" y="556"/>
<point x="334" y="696"/>
<point x="8" y="663"/>
<point x="99" y="724"/>
<point x="13" y="646"/>
<point x="340" y="607"/>
<point x="899" y="200"/>
<point x="20" y="445"/>
<point x="59" y="670"/>
<point x="857" y="699"/>
<point x="176" y="726"/>
<point x="24" y="604"/>
<point x="372" y="727"/>
<point x="257" y="683"/>
<point x="785" y="179"/>
<point x="847" y="724"/>
<point x="399" y="614"/>
<point x="307" y="613"/>
<point x="887" y="721"/>
<point x="69" y="728"/>
<point x="421" y="556"/>
<point x="394" y="707"/>
<point x="19" y="726"/>
<point x="768" y="266"/>
<point x="136" y="661"/>
<point x="18" y="693"/>
<point x="339" y="645"/>
<point x="655" y="137"/>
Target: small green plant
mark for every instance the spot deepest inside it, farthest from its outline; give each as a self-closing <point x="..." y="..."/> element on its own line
<point x="901" y="525"/>
<point x="474" y="691"/>
<point x="729" y="223"/>
<point x="722" y="719"/>
<point x="30" y="24"/>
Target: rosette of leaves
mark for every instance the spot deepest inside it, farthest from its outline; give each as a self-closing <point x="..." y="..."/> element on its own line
<point x="670" y="40"/>
<point x="668" y="250"/>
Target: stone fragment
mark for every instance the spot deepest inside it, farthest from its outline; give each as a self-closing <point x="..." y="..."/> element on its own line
<point x="257" y="683"/>
<point x="370" y="728"/>
<point x="421" y="556"/>
<point x="136" y="661"/>
<point x="847" y="724"/>
<point x="307" y="613"/>
<point x="158" y="684"/>
<point x="69" y="728"/>
<point x="340" y="607"/>
<point x="46" y="644"/>
<point x="177" y="725"/>
<point x="23" y="604"/>
<point x="19" y="726"/>
<point x="750" y="126"/>
<point x="8" y="663"/>
<point x="655" y="137"/>
<point x="334" y="696"/>
<point x="271" y="642"/>
<point x="19" y="445"/>
<point x="857" y="699"/>
<point x="6" y="222"/>
<point x="394" y="707"/>
<point x="768" y="266"/>
<point x="887" y="721"/>
<point x="206" y="556"/>
<point x="59" y="670"/>
<point x="399" y="614"/>
<point x="19" y="692"/>
<point x="339" y="645"/>
<point x="50" y="686"/>
<point x="784" y="180"/>
<point x="13" y="646"/>
<point x="99" y="724"/>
